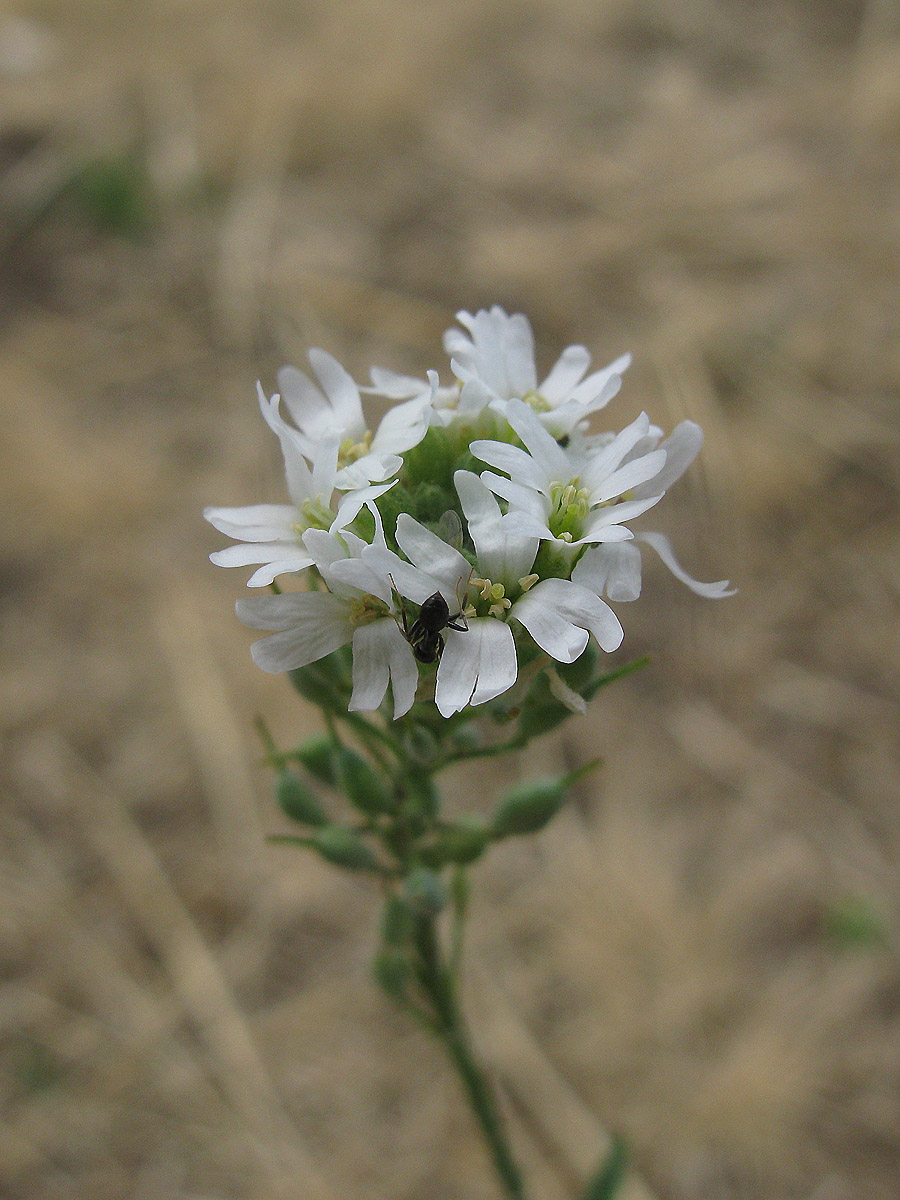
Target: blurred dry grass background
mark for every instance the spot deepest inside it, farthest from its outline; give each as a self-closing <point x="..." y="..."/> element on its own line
<point x="706" y="948"/>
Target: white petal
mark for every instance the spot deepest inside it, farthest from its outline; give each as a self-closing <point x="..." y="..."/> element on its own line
<point x="613" y="568"/>
<point x="514" y="461"/>
<point x="556" y="612"/>
<point x="350" y="505"/>
<point x="526" y="525"/>
<point x="681" y="447"/>
<point x="477" y="665"/>
<point x="255" y="522"/>
<point x="274" y="554"/>
<point x="663" y="547"/>
<point x="596" y="384"/>
<point x="308" y="407"/>
<point x="371" y="468"/>
<point x="429" y="553"/>
<point x="313" y="624"/>
<point x="339" y="387"/>
<point x="271" y="570"/>
<point x="542" y="446"/>
<point x="604" y="463"/>
<point x="600" y="522"/>
<point x="633" y="473"/>
<point x="396" y="386"/>
<point x="519" y="498"/>
<point x="503" y="555"/>
<point x="382" y="655"/>
<point x="294" y="447"/>
<point x="410" y="582"/>
<point x="567" y="371"/>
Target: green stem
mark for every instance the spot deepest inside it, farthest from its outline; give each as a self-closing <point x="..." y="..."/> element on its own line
<point x="437" y="984"/>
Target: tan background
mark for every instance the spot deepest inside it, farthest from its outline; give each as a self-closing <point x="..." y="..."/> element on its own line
<point x="706" y="947"/>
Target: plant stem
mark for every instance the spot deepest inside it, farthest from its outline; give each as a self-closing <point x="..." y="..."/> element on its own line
<point x="438" y="985"/>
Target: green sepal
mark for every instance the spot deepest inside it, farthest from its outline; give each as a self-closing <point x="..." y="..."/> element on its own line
<point x="297" y="801"/>
<point x="317" y="755"/>
<point x="363" y="787"/>
<point x="608" y="1180"/>
<point x="528" y="808"/>
<point x="336" y="844"/>
<point x="426" y="890"/>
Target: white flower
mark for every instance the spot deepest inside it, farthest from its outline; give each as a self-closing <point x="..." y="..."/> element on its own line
<point x="310" y="625"/>
<point x="615" y="568"/>
<point x="335" y="407"/>
<point x="566" y="498"/>
<point x="495" y="363"/>
<point x="479" y="662"/>
<point x="271" y="534"/>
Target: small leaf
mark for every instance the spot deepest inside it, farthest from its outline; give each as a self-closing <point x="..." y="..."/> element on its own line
<point x="606" y="1183"/>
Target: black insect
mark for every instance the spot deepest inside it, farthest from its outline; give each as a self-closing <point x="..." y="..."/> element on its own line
<point x="424" y="634"/>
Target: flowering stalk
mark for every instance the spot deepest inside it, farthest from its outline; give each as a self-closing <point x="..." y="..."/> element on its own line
<point x="466" y="610"/>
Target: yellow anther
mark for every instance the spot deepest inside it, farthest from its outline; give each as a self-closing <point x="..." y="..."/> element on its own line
<point x="497" y="592"/>
<point x="528" y="581"/>
<point x="565" y="536"/>
<point x="499" y="609"/>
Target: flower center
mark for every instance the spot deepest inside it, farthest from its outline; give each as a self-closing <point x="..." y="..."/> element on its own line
<point x="315" y="514"/>
<point x="537" y="402"/>
<point x="571" y="504"/>
<point x="367" y="608"/>
<point x="350" y="451"/>
<point x="493" y="598"/>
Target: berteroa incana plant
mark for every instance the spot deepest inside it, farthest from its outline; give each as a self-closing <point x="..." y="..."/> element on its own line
<point x="458" y="567"/>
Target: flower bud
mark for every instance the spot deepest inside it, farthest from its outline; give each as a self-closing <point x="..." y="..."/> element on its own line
<point x="528" y="808"/>
<point x="297" y="801"/>
<point x="364" y="788"/>
<point x="341" y="846"/>
<point x="317" y="755"/>
<point x="461" y="843"/>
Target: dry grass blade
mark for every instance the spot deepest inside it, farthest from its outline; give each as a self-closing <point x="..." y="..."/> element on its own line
<point x="205" y="995"/>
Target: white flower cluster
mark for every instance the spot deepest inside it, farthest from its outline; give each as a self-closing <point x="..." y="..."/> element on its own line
<point x="523" y="552"/>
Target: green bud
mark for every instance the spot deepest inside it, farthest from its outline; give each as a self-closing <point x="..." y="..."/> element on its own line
<point x="391" y="970"/>
<point x="464" y="842"/>
<point x="297" y="801"/>
<point x="529" y="808"/>
<point x="317" y="755"/>
<point x="341" y="846"/>
<point x="364" y="788"/>
<point x="426" y="890"/>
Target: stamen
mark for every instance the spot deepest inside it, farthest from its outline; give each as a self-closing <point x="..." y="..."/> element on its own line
<point x="528" y="581"/>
